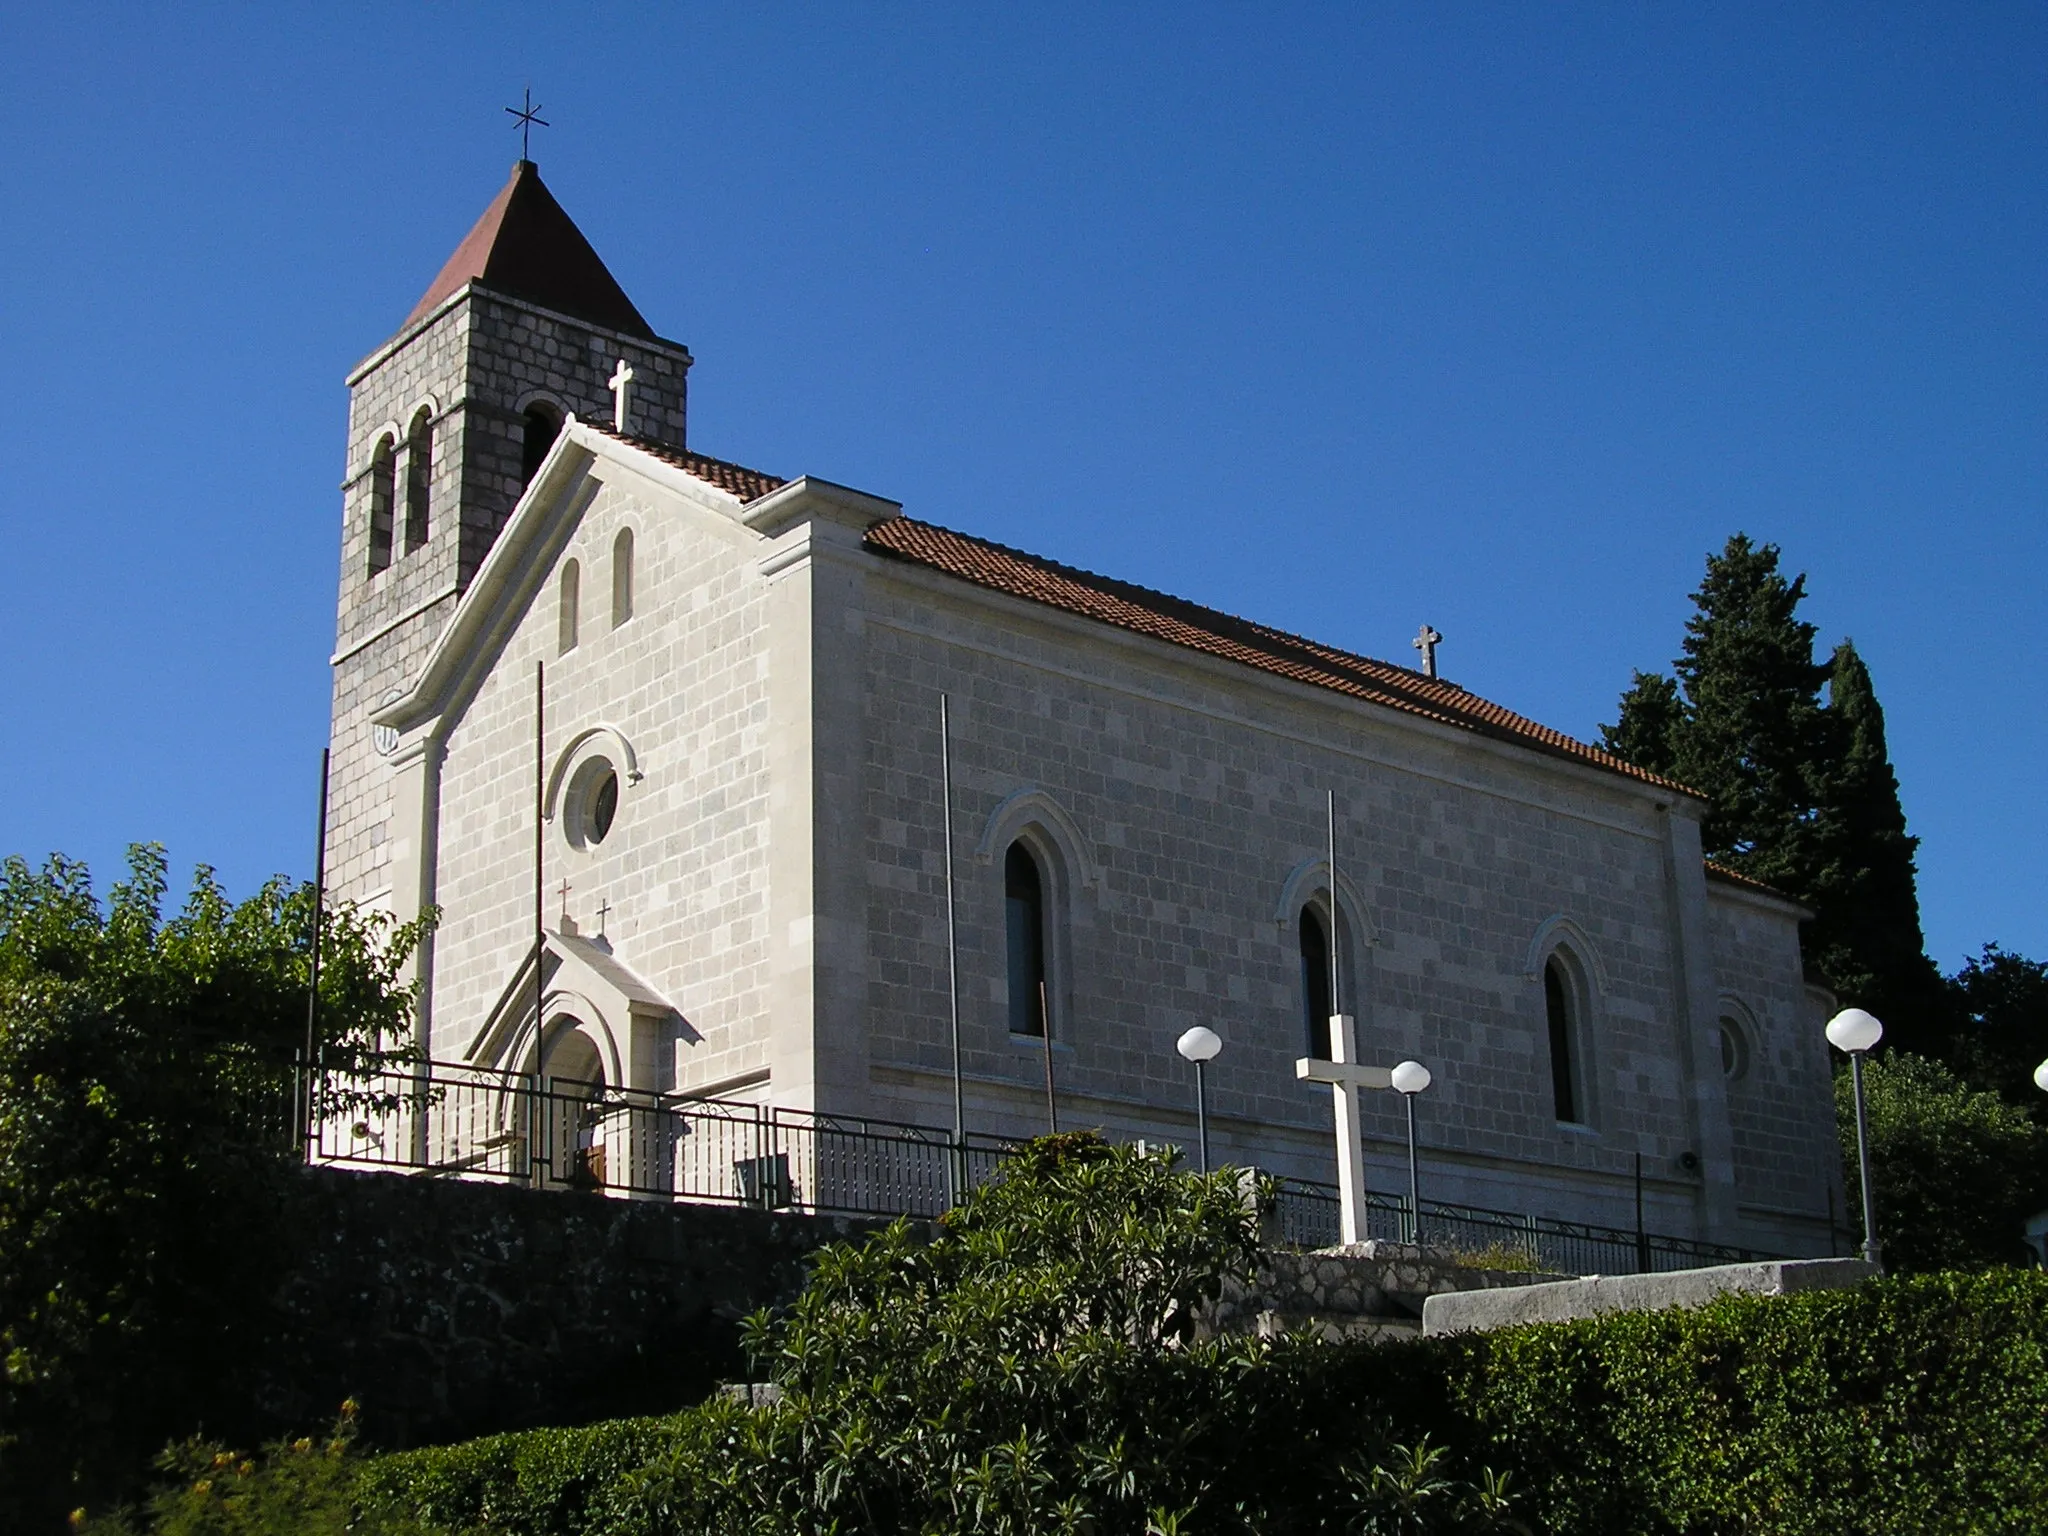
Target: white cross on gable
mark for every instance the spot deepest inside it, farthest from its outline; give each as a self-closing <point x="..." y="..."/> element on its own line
<point x="1348" y="1078"/>
<point x="621" y="383"/>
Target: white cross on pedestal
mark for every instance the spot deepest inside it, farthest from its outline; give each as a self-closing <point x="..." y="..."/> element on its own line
<point x="621" y="383"/>
<point x="1347" y="1079"/>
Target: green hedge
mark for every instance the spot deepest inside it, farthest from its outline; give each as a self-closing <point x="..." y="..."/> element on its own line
<point x="1913" y="1405"/>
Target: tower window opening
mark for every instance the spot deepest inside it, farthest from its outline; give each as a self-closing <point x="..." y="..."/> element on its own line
<point x="1557" y="1007"/>
<point x="1024" y="921"/>
<point x="383" y="471"/>
<point x="622" y="577"/>
<point x="542" y="424"/>
<point x="1316" y="1002"/>
<point x="572" y="582"/>
<point x="419" y="469"/>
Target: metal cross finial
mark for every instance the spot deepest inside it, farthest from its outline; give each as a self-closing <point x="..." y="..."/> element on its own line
<point x="527" y="116"/>
<point x="566" y="889"/>
<point x="603" y="911"/>
<point x="1427" y="642"/>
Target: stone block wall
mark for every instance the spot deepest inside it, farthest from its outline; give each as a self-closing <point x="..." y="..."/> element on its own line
<point x="451" y="1309"/>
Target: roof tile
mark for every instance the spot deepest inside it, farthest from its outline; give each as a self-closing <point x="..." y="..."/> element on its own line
<point x="1179" y="622"/>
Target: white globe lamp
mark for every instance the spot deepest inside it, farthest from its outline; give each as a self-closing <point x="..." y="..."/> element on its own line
<point x="1855" y="1031"/>
<point x="1200" y="1045"/>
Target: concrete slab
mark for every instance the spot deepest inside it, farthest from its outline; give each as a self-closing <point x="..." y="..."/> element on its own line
<point x="1565" y="1300"/>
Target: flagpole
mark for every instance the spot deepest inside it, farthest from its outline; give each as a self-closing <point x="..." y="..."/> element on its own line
<point x="959" y="1159"/>
<point x="313" y="984"/>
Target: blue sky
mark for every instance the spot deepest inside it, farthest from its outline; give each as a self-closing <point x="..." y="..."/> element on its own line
<point x="1340" y="317"/>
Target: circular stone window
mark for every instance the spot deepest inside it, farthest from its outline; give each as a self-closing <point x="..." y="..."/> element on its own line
<point x="1734" y="1051"/>
<point x="592" y="803"/>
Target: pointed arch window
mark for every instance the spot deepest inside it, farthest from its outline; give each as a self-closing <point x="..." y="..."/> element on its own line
<point x="572" y="583"/>
<point x="540" y="426"/>
<point x="383" y="472"/>
<point x="1024" y="922"/>
<point x="622" y="577"/>
<point x="1316" y="1002"/>
<point x="419" y="470"/>
<point x="1561" y="1013"/>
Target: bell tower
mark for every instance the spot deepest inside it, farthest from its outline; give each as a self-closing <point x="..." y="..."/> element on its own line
<point x="448" y="420"/>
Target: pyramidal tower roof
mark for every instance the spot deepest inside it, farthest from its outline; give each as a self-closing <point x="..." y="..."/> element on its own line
<point x="526" y="247"/>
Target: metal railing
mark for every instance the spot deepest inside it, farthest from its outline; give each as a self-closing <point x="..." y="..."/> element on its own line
<point x="1308" y="1218"/>
<point x="459" y="1121"/>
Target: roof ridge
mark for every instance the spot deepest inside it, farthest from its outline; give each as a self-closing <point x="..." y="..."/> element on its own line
<point x="1253" y="643"/>
<point x="734" y="479"/>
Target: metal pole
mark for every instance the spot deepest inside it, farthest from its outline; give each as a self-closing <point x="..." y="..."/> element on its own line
<point x="540" y="1014"/>
<point x="959" y="1158"/>
<point x="1336" y="996"/>
<point x="1642" y="1237"/>
<point x="1872" y="1251"/>
<point x="1414" y="1183"/>
<point x="1052" y="1103"/>
<point x="306" y="1128"/>
<point x="1202" y="1111"/>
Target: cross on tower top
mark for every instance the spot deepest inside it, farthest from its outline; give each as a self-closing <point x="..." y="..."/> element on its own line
<point x="621" y="383"/>
<point x="564" y="893"/>
<point x="1427" y="642"/>
<point x="527" y="116"/>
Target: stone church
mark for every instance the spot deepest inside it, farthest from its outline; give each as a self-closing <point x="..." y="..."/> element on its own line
<point x="684" y="718"/>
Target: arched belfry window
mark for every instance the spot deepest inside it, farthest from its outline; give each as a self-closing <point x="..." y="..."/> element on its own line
<point x="572" y="583"/>
<point x="1024" y="912"/>
<point x="541" y="425"/>
<point x="419" y="469"/>
<point x="383" y="473"/>
<point x="1561" y="1009"/>
<point x="622" y="577"/>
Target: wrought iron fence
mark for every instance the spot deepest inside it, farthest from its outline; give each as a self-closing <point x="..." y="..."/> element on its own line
<point x="459" y="1121"/>
<point x="1309" y="1218"/>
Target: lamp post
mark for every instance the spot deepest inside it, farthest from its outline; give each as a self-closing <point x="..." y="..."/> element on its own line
<point x="1410" y="1078"/>
<point x="1200" y="1045"/>
<point x="1855" y="1032"/>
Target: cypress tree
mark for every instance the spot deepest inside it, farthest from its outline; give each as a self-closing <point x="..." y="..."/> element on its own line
<point x="1866" y="935"/>
<point x="1647" y="732"/>
<point x="1800" y="794"/>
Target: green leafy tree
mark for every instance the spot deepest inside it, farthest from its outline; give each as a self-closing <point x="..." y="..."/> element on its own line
<point x="1956" y="1171"/>
<point x="145" y="1118"/>
<point x="1999" y="1027"/>
<point x="1652" y="715"/>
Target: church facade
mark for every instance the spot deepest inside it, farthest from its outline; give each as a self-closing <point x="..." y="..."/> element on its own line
<point x="688" y="716"/>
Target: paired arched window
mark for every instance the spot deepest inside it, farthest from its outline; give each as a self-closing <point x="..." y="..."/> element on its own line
<point x="1024" y="915"/>
<point x="419" y="468"/>
<point x="622" y="577"/>
<point x="540" y="426"/>
<point x="383" y="473"/>
<point x="1561" y="1012"/>
<point x="572" y="584"/>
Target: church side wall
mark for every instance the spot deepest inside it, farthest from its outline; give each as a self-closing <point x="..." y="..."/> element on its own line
<point x="684" y="868"/>
<point x="1780" y="1103"/>
<point x="1195" y="792"/>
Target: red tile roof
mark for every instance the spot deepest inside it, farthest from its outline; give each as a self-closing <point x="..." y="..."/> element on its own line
<point x="733" y="479"/>
<point x="1179" y="622"/>
<point x="527" y="247"/>
<point x="1729" y="876"/>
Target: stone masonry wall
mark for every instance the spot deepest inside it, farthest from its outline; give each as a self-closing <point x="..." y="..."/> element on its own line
<point x="452" y="1309"/>
<point x="1188" y="797"/>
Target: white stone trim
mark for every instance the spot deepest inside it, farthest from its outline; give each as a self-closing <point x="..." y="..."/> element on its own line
<point x="1311" y="878"/>
<point x="574" y="754"/>
<point x="1028" y="807"/>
